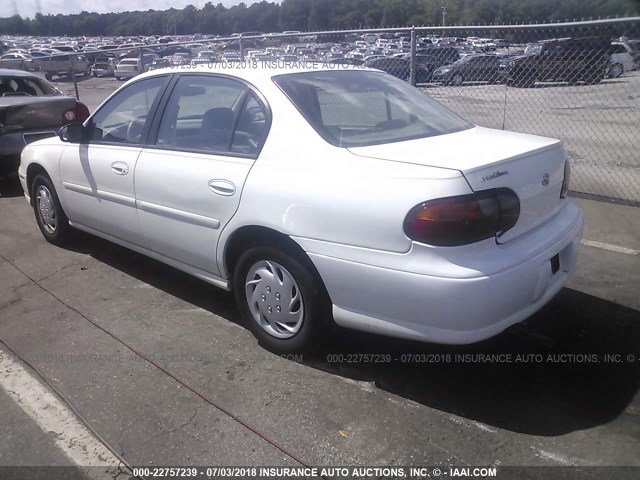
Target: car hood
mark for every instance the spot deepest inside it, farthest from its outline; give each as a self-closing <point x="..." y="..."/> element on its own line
<point x="518" y="58"/>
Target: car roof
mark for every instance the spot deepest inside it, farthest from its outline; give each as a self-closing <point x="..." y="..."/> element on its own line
<point x="258" y="74"/>
<point x="8" y="72"/>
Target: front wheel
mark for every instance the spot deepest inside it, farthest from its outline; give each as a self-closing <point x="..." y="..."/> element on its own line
<point x="457" y="80"/>
<point x="282" y="299"/>
<point x="51" y="219"/>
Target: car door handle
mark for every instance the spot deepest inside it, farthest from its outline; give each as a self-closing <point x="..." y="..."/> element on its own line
<point x="119" y="168"/>
<point x="222" y="187"/>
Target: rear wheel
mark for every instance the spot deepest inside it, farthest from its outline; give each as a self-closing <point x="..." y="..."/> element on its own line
<point x="616" y="70"/>
<point x="282" y="299"/>
<point x="51" y="219"/>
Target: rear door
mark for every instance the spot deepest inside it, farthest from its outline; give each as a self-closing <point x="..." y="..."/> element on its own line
<point x="188" y="182"/>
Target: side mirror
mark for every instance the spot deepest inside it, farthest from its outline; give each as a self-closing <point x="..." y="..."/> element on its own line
<point x="72" y="133"/>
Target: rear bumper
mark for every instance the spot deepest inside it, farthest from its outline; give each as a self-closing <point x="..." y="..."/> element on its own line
<point x="102" y="72"/>
<point x="126" y="74"/>
<point x="450" y="310"/>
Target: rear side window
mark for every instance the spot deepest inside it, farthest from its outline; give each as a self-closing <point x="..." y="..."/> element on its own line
<point x="213" y="114"/>
<point x="356" y="108"/>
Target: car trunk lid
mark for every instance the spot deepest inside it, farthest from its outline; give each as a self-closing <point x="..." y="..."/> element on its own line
<point x="531" y="166"/>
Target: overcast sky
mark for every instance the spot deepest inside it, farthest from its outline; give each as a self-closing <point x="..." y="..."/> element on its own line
<point x="29" y="8"/>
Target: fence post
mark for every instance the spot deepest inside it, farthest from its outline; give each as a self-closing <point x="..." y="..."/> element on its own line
<point x="140" y="57"/>
<point x="412" y="62"/>
<point x="241" y="43"/>
<point x="73" y="75"/>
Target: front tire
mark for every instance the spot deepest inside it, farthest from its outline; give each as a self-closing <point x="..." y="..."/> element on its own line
<point x="282" y="299"/>
<point x="51" y="219"/>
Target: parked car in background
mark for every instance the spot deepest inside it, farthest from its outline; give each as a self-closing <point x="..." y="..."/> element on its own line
<point x="346" y="61"/>
<point x="104" y="67"/>
<point x="17" y="61"/>
<point x="64" y="66"/>
<point x="399" y="68"/>
<point x="569" y="60"/>
<point x="128" y="68"/>
<point x="30" y="109"/>
<point x="634" y="45"/>
<point x="268" y="182"/>
<point x="621" y="59"/>
<point x="160" y="63"/>
<point x="472" y="68"/>
<point x="431" y="58"/>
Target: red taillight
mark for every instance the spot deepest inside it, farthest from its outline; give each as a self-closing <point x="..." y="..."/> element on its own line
<point x="464" y="219"/>
<point x="82" y="112"/>
<point x="76" y="115"/>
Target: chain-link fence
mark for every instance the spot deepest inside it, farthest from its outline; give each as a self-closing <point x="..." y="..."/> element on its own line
<point x="577" y="81"/>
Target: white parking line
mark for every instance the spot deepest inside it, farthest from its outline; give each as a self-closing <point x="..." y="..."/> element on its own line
<point x="56" y="420"/>
<point x="611" y="248"/>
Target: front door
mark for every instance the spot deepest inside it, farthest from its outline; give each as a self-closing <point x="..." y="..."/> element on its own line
<point x="97" y="174"/>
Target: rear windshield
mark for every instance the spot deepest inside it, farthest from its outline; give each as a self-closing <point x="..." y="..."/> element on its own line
<point x="357" y="108"/>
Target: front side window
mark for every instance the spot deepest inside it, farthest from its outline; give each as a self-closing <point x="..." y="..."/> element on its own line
<point x="356" y="108"/>
<point x="212" y="114"/>
<point x="123" y="118"/>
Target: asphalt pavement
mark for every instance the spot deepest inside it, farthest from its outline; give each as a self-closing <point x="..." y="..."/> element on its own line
<point x="165" y="371"/>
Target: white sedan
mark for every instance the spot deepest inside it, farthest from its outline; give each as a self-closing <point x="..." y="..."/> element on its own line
<point x="319" y="196"/>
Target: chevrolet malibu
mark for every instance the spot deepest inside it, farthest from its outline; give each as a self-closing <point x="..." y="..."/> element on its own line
<point x="320" y="197"/>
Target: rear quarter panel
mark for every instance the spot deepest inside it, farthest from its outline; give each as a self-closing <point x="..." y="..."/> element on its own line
<point x="306" y="188"/>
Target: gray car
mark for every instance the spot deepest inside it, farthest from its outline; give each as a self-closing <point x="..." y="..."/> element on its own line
<point x="31" y="109"/>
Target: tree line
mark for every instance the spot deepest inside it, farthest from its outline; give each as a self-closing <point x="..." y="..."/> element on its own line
<point x="313" y="15"/>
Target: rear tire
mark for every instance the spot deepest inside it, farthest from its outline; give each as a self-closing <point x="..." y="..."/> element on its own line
<point x="50" y="216"/>
<point x="616" y="70"/>
<point x="282" y="299"/>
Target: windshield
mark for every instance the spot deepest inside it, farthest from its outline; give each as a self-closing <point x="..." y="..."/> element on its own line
<point x="356" y="108"/>
<point x="533" y="49"/>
